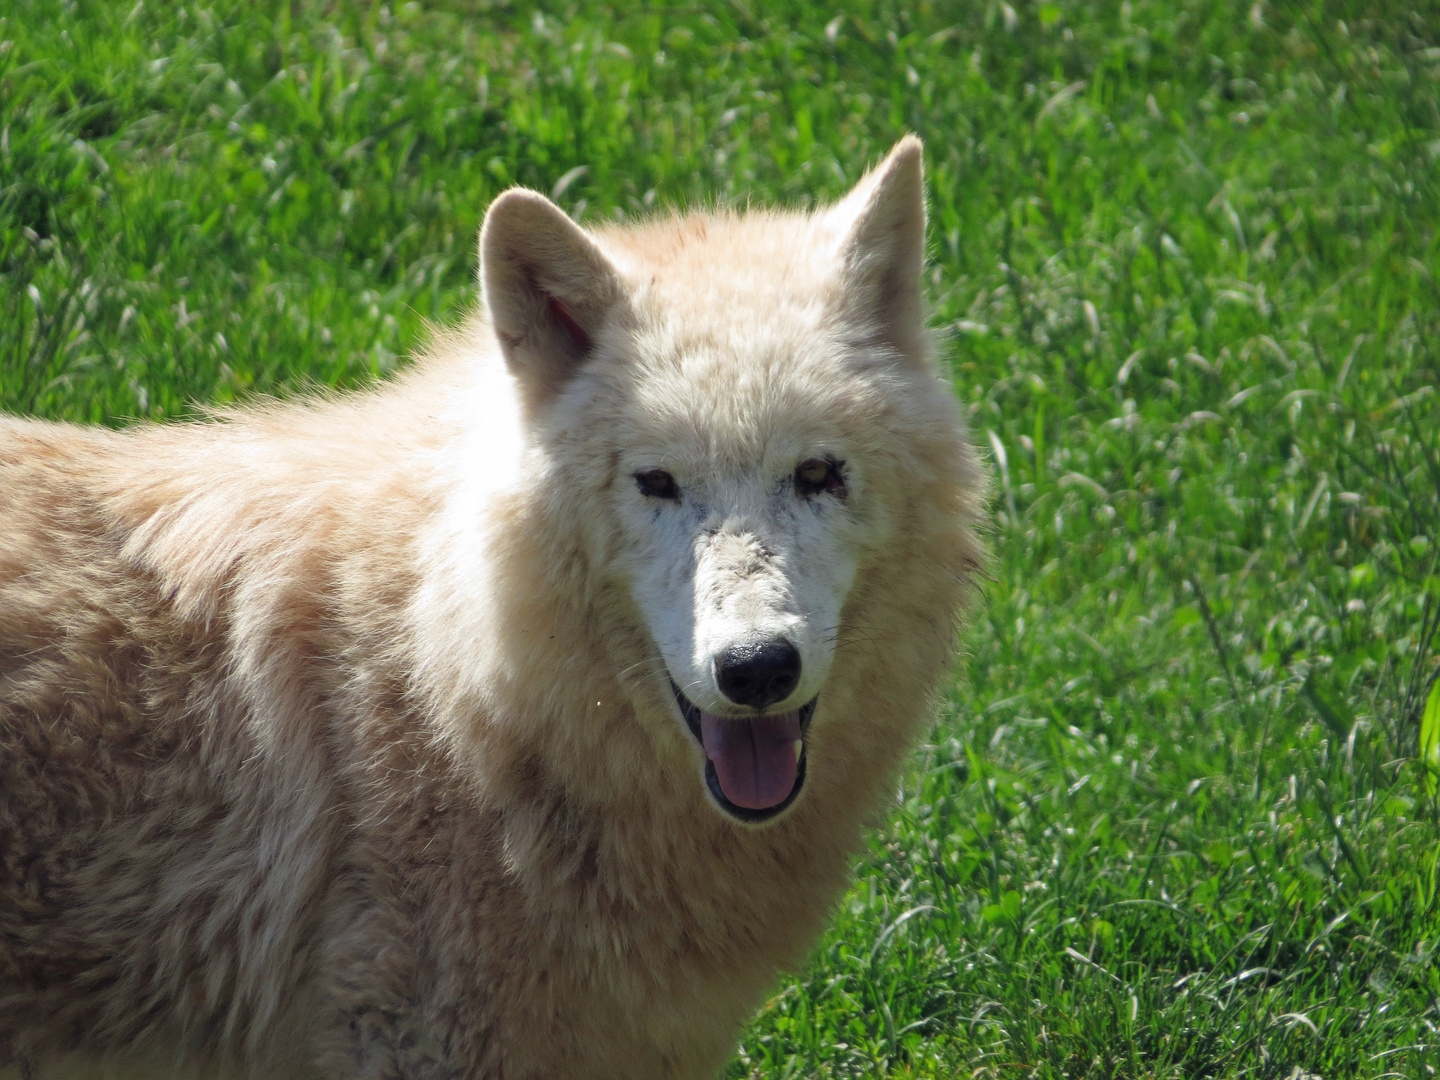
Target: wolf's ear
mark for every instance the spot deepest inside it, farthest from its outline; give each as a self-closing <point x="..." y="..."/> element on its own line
<point x="881" y="224"/>
<point x="548" y="287"/>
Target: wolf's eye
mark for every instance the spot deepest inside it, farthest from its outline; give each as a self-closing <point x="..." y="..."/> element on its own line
<point x="820" y="475"/>
<point x="658" y="484"/>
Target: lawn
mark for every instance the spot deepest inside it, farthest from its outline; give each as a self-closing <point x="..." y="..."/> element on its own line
<point x="1175" y="820"/>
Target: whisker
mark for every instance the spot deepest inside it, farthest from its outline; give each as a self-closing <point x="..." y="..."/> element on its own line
<point x="655" y="663"/>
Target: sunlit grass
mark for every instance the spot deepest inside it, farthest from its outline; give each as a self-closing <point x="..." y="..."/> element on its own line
<point x="1174" y="822"/>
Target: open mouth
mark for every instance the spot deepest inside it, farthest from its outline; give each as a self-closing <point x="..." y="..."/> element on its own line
<point x="755" y="766"/>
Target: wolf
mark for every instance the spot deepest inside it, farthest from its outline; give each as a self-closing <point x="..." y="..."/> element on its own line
<point x="515" y="719"/>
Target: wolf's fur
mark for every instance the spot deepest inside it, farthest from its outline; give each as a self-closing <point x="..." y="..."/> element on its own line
<point x="337" y="738"/>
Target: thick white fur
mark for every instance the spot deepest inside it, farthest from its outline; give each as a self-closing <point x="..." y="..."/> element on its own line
<point x="337" y="739"/>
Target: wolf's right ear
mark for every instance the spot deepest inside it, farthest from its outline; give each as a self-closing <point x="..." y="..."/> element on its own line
<point x="548" y="287"/>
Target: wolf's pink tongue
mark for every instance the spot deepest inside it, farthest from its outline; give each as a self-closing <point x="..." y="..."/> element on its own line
<point x="755" y="760"/>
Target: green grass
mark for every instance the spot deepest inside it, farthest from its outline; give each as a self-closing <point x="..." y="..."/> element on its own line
<point x="1174" y="823"/>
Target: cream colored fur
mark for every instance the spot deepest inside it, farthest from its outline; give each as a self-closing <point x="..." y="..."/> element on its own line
<point x="337" y="739"/>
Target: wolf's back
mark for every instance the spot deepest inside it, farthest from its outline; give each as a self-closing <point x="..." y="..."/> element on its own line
<point x="154" y="727"/>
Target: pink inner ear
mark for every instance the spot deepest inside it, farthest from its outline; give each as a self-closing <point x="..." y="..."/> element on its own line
<point x="561" y="315"/>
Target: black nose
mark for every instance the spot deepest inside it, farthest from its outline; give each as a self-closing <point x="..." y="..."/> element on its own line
<point x="758" y="674"/>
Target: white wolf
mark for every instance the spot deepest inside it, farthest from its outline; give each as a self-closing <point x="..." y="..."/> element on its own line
<point x="513" y="720"/>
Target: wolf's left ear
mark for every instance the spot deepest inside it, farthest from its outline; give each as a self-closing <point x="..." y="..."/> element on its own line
<point x="548" y="287"/>
<point x="881" y="223"/>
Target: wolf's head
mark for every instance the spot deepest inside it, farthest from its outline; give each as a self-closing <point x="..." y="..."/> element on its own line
<point x="740" y="413"/>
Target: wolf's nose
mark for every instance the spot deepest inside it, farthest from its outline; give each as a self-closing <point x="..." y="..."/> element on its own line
<point x="758" y="674"/>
